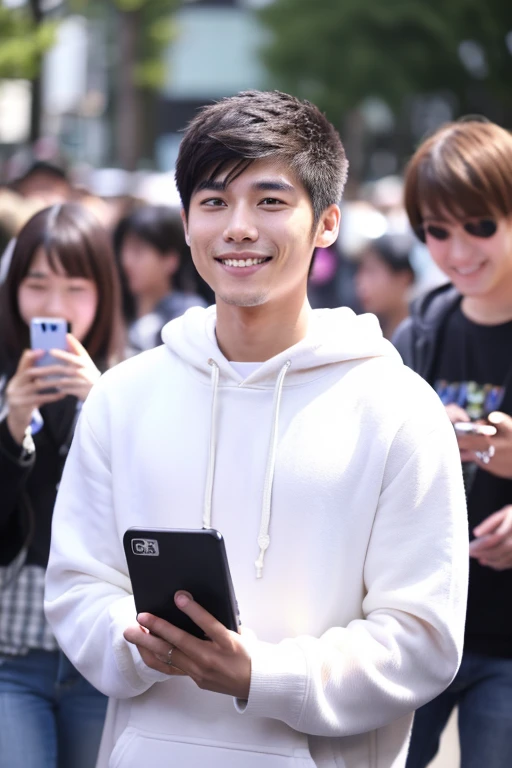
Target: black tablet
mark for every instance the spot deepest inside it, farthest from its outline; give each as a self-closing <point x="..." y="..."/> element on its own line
<point x="163" y="561"/>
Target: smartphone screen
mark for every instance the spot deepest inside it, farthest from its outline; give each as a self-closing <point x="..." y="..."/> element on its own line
<point x="163" y="561"/>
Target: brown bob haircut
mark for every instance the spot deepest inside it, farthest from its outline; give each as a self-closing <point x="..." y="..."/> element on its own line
<point x="263" y="124"/>
<point x="463" y="170"/>
<point x="74" y="241"/>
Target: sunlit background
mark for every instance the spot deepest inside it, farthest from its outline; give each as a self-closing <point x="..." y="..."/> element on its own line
<point x="105" y="87"/>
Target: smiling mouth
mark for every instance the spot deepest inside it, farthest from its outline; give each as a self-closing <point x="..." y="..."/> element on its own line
<point x="468" y="270"/>
<point x="241" y="263"/>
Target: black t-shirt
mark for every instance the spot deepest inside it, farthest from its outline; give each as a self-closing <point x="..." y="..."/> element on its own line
<point x="474" y="369"/>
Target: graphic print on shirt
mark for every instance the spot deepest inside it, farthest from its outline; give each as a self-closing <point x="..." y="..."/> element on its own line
<point x="478" y="400"/>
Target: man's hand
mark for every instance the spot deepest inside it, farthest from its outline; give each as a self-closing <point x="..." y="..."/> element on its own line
<point x="220" y="664"/>
<point x="493" y="545"/>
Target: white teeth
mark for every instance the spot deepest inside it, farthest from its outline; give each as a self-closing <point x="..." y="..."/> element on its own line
<point x="468" y="270"/>
<point x="242" y="262"/>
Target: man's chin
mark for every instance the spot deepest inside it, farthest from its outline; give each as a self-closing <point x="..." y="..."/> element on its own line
<point x="243" y="300"/>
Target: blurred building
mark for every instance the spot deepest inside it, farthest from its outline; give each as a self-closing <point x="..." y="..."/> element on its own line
<point x="214" y="55"/>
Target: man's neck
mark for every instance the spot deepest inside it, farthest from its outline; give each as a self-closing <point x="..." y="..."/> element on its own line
<point x="256" y="334"/>
<point x="486" y="311"/>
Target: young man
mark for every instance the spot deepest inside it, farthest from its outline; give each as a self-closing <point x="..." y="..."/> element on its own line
<point x="328" y="466"/>
<point x="459" y="200"/>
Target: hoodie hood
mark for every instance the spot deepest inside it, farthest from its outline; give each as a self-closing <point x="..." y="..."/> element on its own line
<point x="334" y="336"/>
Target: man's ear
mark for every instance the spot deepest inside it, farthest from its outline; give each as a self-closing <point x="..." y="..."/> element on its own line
<point x="185" y="225"/>
<point x="328" y="227"/>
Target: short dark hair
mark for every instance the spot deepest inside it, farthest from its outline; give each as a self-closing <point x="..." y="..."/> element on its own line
<point x="73" y="239"/>
<point x="463" y="169"/>
<point x="392" y="253"/>
<point x="263" y="124"/>
<point x="162" y="228"/>
<point x="158" y="225"/>
<point x="43" y="168"/>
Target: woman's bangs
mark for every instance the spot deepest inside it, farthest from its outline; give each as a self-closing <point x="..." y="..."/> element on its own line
<point x="443" y="193"/>
<point x="70" y="255"/>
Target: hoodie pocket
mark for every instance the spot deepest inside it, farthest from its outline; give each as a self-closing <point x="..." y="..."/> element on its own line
<point x="136" y="747"/>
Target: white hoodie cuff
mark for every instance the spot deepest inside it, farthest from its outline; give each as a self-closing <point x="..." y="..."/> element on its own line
<point x="145" y="673"/>
<point x="278" y="682"/>
<point x="129" y="661"/>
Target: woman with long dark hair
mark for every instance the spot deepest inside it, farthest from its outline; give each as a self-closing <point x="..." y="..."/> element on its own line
<point x="62" y="267"/>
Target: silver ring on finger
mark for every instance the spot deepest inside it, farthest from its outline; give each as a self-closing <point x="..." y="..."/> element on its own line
<point x="169" y="656"/>
<point x="486" y="456"/>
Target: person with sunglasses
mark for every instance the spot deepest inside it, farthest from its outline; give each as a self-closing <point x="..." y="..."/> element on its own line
<point x="458" y="196"/>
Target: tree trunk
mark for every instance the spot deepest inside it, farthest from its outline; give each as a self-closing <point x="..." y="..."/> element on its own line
<point x="353" y="141"/>
<point x="36" y="105"/>
<point x="128" y="113"/>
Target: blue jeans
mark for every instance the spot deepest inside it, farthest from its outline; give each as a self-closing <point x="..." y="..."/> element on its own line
<point x="482" y="690"/>
<point x="50" y="716"/>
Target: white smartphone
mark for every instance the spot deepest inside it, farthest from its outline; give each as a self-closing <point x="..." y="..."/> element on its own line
<point x="48" y="333"/>
<point x="470" y="428"/>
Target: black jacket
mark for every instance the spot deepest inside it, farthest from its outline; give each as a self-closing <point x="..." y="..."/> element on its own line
<point x="417" y="338"/>
<point x="28" y="486"/>
<point x="488" y="622"/>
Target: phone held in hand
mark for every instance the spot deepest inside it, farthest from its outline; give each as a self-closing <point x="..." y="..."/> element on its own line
<point x="472" y="428"/>
<point x="48" y="333"/>
<point x="162" y="561"/>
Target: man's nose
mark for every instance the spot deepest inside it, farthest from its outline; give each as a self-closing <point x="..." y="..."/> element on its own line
<point x="240" y="226"/>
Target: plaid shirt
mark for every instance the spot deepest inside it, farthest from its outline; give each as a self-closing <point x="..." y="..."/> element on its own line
<point x="23" y="625"/>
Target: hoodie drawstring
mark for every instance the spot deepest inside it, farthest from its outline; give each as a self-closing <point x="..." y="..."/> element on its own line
<point x="208" y="493"/>
<point x="263" y="536"/>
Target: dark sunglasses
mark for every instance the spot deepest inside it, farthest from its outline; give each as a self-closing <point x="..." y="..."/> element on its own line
<point x="483" y="228"/>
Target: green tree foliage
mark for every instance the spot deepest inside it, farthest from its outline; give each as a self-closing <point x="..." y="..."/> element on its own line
<point x="337" y="52"/>
<point x="23" y="42"/>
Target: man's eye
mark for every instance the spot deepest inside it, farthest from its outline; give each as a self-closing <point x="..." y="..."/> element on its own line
<point x="272" y="201"/>
<point x="213" y="202"/>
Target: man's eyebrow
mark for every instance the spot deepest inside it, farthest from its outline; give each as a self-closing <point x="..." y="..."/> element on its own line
<point x="211" y="185"/>
<point x="264" y="185"/>
<point x="273" y="186"/>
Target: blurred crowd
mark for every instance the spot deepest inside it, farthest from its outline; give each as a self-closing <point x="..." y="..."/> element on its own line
<point x="104" y="254"/>
<point x="377" y="265"/>
<point x="141" y="217"/>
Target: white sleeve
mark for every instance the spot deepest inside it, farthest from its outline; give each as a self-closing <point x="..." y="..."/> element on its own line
<point x="88" y="599"/>
<point x="407" y="647"/>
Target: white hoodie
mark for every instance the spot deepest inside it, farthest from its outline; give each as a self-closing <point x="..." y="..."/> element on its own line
<point x="340" y="460"/>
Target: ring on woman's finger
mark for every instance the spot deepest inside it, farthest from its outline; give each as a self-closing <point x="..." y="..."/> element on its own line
<point x="169" y="656"/>
<point x="486" y="456"/>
